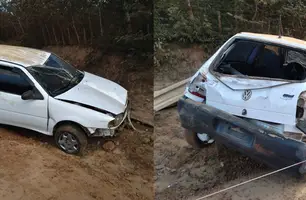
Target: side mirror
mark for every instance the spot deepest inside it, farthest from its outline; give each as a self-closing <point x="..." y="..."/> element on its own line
<point x="28" y="95"/>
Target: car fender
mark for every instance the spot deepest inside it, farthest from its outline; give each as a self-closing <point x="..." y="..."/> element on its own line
<point x="60" y="111"/>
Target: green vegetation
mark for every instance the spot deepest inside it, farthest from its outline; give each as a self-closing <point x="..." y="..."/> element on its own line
<point x="109" y="24"/>
<point x="210" y="22"/>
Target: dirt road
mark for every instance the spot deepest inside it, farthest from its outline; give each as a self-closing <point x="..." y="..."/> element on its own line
<point x="185" y="173"/>
<point x="33" y="168"/>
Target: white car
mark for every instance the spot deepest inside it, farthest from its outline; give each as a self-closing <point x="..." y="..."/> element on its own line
<point x="42" y="92"/>
<point x="250" y="96"/>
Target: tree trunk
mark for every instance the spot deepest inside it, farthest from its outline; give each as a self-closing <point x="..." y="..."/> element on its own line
<point x="54" y="34"/>
<point x="256" y="9"/>
<point x="127" y="17"/>
<point x="90" y="29"/>
<point x="69" y="36"/>
<point x="236" y="21"/>
<point x="20" y="25"/>
<point x="100" y="20"/>
<point x="44" y="36"/>
<point x="16" y="31"/>
<point x="190" y="12"/>
<point x="219" y="22"/>
<point x="62" y="34"/>
<point x="75" y="30"/>
<point x="49" y="35"/>
<point x="84" y="34"/>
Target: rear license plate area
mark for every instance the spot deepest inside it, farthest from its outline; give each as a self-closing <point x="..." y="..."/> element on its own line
<point x="233" y="132"/>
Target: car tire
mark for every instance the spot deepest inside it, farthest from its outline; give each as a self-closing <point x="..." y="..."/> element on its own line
<point x="71" y="139"/>
<point x="193" y="139"/>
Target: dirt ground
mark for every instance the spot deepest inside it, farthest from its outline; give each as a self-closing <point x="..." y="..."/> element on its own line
<point x="182" y="172"/>
<point x="33" y="168"/>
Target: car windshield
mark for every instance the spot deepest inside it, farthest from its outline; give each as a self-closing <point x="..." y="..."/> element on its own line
<point x="56" y="76"/>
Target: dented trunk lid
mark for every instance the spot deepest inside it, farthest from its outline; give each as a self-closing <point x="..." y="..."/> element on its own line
<point x="261" y="99"/>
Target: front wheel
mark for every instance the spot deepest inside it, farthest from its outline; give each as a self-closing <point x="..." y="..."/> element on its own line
<point x="197" y="140"/>
<point x="70" y="139"/>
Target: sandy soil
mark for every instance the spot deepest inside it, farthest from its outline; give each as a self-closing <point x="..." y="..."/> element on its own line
<point x="33" y="168"/>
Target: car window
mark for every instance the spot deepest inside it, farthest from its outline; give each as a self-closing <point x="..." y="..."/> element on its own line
<point x="13" y="82"/>
<point x="57" y="62"/>
<point x="241" y="51"/>
<point x="294" y="56"/>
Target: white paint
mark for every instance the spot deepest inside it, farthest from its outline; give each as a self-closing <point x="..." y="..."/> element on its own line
<point x="43" y="115"/>
<point x="245" y="83"/>
<point x="62" y="111"/>
<point x="267" y="102"/>
<point x="98" y="92"/>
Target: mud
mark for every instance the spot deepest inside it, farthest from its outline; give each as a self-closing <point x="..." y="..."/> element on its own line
<point x="185" y="173"/>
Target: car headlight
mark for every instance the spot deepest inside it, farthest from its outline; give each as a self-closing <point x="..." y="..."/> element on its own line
<point x="115" y="122"/>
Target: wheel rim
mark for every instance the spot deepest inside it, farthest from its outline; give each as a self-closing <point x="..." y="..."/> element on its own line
<point x="205" y="138"/>
<point x="68" y="142"/>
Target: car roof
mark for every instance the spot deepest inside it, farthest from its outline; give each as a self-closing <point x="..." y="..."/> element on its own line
<point x="23" y="55"/>
<point x="283" y="40"/>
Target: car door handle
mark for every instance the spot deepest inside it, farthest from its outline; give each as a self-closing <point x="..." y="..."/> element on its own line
<point x="288" y="95"/>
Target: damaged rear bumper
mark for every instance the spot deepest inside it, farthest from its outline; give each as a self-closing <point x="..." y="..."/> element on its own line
<point x="236" y="133"/>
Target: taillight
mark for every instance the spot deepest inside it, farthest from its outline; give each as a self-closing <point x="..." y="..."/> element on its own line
<point x="197" y="88"/>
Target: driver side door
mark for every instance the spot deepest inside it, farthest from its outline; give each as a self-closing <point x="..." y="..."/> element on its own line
<point x="30" y="114"/>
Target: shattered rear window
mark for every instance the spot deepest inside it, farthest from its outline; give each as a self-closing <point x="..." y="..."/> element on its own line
<point x="294" y="56"/>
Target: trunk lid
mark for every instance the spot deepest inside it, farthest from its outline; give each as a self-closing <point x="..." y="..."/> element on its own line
<point x="266" y="100"/>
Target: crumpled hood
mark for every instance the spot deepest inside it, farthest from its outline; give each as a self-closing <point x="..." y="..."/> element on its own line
<point x="98" y="92"/>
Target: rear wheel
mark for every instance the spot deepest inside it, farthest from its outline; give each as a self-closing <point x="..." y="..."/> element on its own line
<point x="71" y="139"/>
<point x="197" y="140"/>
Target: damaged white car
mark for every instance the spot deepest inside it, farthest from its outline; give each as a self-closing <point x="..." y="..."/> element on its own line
<point x="42" y="92"/>
<point x="250" y="96"/>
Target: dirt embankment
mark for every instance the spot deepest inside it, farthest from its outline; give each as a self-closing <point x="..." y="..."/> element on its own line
<point x="182" y="172"/>
<point x="174" y="64"/>
<point x="132" y="72"/>
<point x="33" y="168"/>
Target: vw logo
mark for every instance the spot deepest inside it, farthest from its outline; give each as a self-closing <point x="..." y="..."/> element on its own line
<point x="246" y="95"/>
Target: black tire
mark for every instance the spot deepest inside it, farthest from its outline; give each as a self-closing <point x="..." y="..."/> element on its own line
<point x="76" y="133"/>
<point x="193" y="140"/>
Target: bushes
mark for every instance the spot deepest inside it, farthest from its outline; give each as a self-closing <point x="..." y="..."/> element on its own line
<point x="213" y="21"/>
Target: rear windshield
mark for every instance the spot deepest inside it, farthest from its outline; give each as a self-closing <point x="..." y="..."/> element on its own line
<point x="258" y="59"/>
<point x="240" y="51"/>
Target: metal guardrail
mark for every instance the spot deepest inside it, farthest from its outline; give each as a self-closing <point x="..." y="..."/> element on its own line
<point x="169" y="95"/>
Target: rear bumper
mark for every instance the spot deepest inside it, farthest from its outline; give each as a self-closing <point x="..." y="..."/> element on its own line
<point x="238" y="134"/>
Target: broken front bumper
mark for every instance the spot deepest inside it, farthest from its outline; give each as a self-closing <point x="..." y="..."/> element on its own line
<point x="236" y="133"/>
<point x="120" y="122"/>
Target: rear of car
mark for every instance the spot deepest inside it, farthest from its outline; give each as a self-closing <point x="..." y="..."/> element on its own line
<point x="250" y="96"/>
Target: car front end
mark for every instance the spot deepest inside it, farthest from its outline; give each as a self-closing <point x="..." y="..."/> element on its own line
<point x="117" y="123"/>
